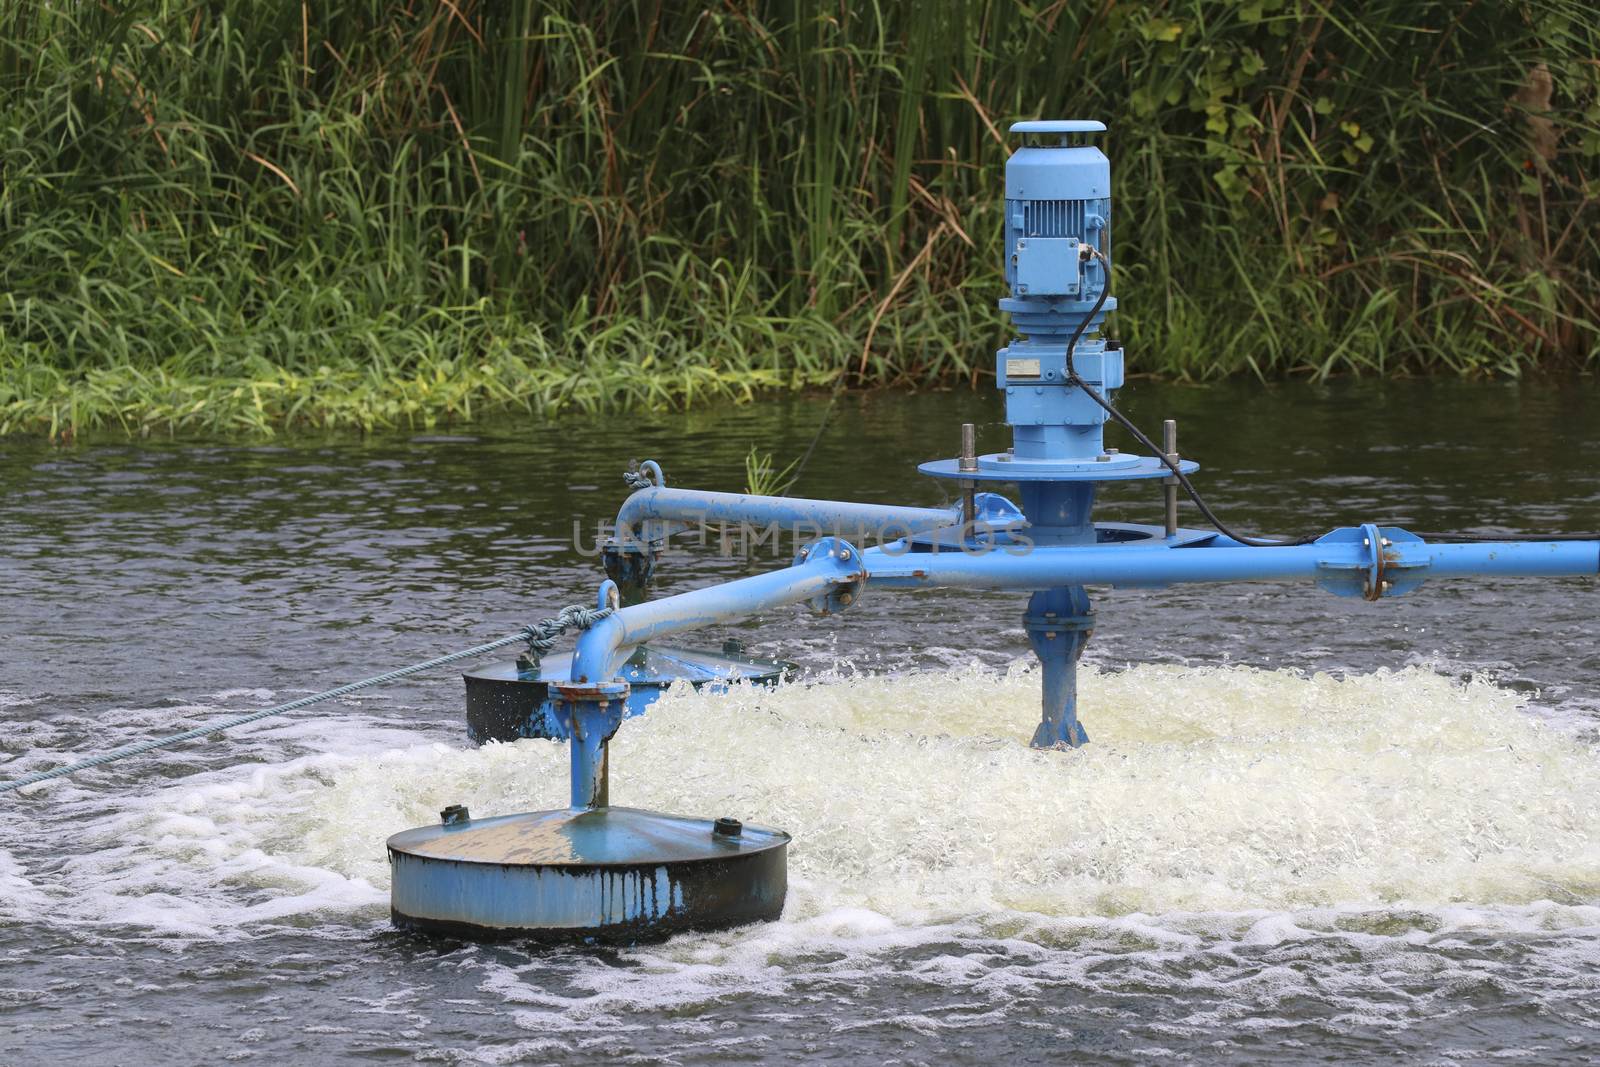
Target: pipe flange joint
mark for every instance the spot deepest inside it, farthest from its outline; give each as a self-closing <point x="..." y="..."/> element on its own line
<point x="1379" y="567"/>
<point x="1049" y="622"/>
<point x="1372" y="544"/>
<point x="589" y="692"/>
<point x="585" y="708"/>
<point x="852" y="575"/>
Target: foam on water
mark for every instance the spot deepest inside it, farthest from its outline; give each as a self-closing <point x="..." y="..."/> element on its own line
<point x="1204" y="790"/>
<point x="916" y="804"/>
<point x="1241" y="855"/>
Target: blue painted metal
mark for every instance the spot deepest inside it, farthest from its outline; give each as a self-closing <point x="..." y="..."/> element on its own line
<point x="604" y="647"/>
<point x="843" y="591"/>
<point x="651" y="471"/>
<point x="1058" y="126"/>
<point x="1059" y="622"/>
<point x="593" y="868"/>
<point x="588" y="715"/>
<point x="1337" y="556"/>
<point x="1057" y="198"/>
<point x="510" y="700"/>
<point x="650" y="515"/>
<point x="1057" y="207"/>
<point x="1002" y="467"/>
<point x="603" y="872"/>
<point x="612" y="874"/>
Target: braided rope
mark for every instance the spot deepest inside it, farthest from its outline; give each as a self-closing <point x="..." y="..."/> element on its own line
<point x="540" y="637"/>
<point x="645" y="476"/>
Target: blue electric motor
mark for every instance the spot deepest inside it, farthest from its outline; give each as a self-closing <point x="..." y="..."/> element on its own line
<point x="1058" y="205"/>
<point x="1058" y="269"/>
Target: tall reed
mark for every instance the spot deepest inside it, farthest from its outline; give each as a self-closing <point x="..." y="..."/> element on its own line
<point x="225" y="214"/>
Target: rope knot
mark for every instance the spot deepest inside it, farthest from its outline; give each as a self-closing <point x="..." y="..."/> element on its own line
<point x="541" y="636"/>
<point x="645" y="475"/>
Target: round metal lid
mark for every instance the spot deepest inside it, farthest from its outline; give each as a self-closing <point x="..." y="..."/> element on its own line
<point x="1000" y="467"/>
<point x="658" y="665"/>
<point x="1058" y="126"/>
<point x="584" y="837"/>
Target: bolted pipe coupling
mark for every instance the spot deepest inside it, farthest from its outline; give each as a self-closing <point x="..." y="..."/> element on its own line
<point x="852" y="573"/>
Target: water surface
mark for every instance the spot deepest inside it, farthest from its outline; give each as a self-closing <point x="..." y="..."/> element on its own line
<point x="1308" y="830"/>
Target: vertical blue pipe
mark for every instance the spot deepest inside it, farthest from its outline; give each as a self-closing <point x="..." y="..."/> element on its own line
<point x="590" y="780"/>
<point x="1059" y="513"/>
<point x="1059" y="622"/>
<point x="590" y="716"/>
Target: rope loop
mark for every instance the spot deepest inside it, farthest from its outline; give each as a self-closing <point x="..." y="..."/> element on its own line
<point x="646" y="477"/>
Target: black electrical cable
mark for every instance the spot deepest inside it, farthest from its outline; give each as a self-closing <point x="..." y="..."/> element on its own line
<point x="1138" y="435"/>
<point x="1495" y="539"/>
<point x="1183" y="480"/>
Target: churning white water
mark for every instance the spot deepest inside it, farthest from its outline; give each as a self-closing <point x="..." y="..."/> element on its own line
<point x="915" y="802"/>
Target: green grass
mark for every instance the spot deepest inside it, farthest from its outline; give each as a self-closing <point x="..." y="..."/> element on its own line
<point x="762" y="476"/>
<point x="229" y="215"/>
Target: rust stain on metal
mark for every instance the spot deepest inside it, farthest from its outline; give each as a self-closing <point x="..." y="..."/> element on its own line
<point x="572" y="691"/>
<point x="600" y="693"/>
<point x="1387" y="554"/>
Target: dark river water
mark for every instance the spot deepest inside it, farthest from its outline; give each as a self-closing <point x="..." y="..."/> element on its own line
<point x="1309" y="829"/>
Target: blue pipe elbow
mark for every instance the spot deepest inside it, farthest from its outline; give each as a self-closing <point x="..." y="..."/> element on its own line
<point x="828" y="565"/>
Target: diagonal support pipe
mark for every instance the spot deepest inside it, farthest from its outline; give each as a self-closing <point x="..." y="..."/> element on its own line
<point x="604" y="647"/>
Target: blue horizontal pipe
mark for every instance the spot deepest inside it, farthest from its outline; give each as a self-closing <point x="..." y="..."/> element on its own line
<point x="1043" y="567"/>
<point x="837" y="517"/>
<point x="1519" y="558"/>
<point x="605" y="646"/>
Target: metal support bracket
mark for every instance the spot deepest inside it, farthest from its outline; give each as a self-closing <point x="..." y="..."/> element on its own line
<point x="631" y="565"/>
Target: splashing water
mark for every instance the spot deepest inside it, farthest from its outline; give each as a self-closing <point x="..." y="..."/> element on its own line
<point x="914" y="801"/>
